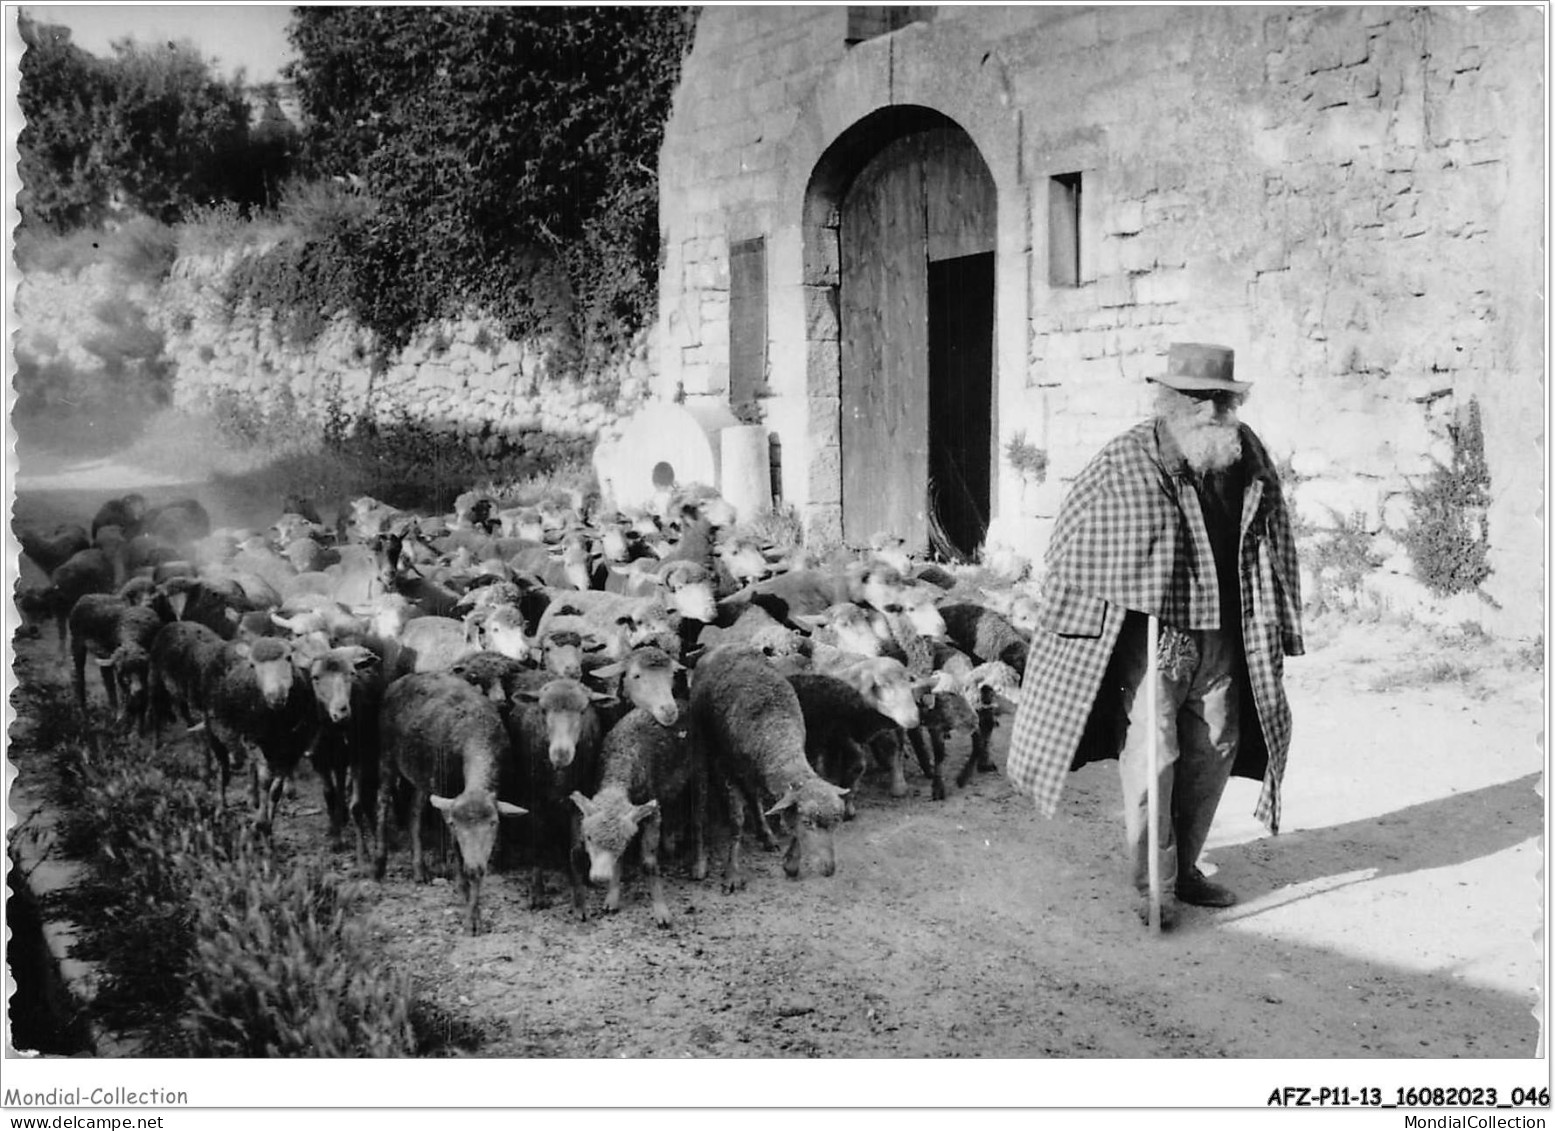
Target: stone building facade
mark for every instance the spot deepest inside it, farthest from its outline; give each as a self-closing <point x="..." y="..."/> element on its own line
<point x="897" y="233"/>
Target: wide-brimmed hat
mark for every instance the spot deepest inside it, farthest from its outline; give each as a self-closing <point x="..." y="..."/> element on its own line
<point x="1197" y="367"/>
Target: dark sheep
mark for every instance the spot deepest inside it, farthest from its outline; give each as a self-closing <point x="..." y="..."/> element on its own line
<point x="648" y="772"/>
<point x="186" y="658"/>
<point x="752" y="723"/>
<point x="119" y="635"/>
<point x="493" y="673"/>
<point x="257" y="707"/>
<point x="180" y="522"/>
<point x="218" y="607"/>
<point x="447" y="741"/>
<point x="348" y="689"/>
<point x="556" y="733"/>
<point x="301" y="505"/>
<point x="840" y="726"/>
<point x="985" y="635"/>
<point x="50" y="551"/>
<point x="127" y="513"/>
<point x="92" y="570"/>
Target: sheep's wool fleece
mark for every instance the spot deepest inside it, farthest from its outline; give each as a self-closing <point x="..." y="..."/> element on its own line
<point x="1131" y="535"/>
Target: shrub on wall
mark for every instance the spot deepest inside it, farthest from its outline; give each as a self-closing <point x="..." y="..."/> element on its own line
<point x="511" y="155"/>
<point x="1448" y="535"/>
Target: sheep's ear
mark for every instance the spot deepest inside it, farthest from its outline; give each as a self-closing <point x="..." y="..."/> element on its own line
<point x="445" y="805"/>
<point x="526" y="695"/>
<point x="645" y="810"/>
<point x="602" y="699"/>
<point x="241" y="647"/>
<point x="787" y="801"/>
<point x="508" y="809"/>
<point x="610" y="671"/>
<point x="585" y="805"/>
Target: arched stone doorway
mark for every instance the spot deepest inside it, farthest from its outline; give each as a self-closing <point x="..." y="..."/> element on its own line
<point x="900" y="237"/>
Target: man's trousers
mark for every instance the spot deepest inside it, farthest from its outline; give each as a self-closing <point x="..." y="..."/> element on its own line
<point x="1201" y="673"/>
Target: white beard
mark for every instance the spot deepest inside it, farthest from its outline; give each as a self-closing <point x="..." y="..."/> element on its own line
<point x="1207" y="446"/>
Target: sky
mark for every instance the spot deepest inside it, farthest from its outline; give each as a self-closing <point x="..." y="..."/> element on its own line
<point x="247" y="36"/>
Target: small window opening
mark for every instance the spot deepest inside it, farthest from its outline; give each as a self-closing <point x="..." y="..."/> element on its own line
<point x="747" y="320"/>
<point x="1063" y="230"/>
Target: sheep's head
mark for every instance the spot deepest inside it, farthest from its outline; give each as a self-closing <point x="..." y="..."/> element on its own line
<point x="473" y="817"/>
<point x="565" y="704"/>
<point x="884" y="682"/>
<point x="610" y="821"/>
<point x="689" y="586"/>
<point x="271" y="660"/>
<point x="811" y="808"/>
<point x="744" y="560"/>
<point x="892" y="550"/>
<point x="647" y="679"/>
<point x="648" y="622"/>
<point x="853" y="628"/>
<point x="613" y="542"/>
<point x="333" y="675"/>
<point x="131" y="668"/>
<point x="917" y="605"/>
<point x="876" y="584"/>
<point x="489" y="672"/>
<point x="561" y="653"/>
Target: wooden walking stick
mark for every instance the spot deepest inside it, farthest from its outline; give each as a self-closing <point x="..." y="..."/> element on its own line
<point x="1153" y="770"/>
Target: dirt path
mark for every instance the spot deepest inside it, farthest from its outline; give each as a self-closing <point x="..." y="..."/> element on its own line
<point x="1394" y="918"/>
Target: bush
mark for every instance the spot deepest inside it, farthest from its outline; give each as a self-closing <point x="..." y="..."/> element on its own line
<point x="283" y="967"/>
<point x="1342" y="554"/>
<point x="1448" y="535"/>
<point x="206" y="938"/>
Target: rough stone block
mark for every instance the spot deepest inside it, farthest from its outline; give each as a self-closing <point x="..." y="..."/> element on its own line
<point x="1163" y="286"/>
<point x="1114" y="291"/>
<point x="825" y="267"/>
<point x="1126" y="218"/>
<point x="1135" y="255"/>
<point x="1328" y="89"/>
<point x="824" y="421"/>
<point x="825" y="476"/>
<point x="823" y="524"/>
<point x="1346" y="129"/>
<point x="1319" y="501"/>
<point x="823" y="368"/>
<point x="821" y="316"/>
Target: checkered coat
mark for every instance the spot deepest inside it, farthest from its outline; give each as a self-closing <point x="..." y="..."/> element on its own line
<point x="1131" y="535"/>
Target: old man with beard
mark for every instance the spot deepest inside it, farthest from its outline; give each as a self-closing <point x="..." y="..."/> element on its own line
<point x="1180" y="517"/>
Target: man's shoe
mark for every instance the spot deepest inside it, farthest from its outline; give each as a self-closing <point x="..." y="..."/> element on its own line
<point x="1168" y="911"/>
<point x="1193" y="887"/>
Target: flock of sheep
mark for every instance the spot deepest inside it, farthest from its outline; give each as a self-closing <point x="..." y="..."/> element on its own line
<point x="657" y="678"/>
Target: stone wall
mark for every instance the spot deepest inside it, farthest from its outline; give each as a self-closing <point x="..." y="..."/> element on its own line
<point x="462" y="376"/>
<point x="1350" y="197"/>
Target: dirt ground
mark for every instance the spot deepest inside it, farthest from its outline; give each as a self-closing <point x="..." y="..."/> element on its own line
<point x="1395" y="916"/>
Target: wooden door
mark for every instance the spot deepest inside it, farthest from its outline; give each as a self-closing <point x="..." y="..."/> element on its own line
<point x="884" y="321"/>
<point x="922" y="199"/>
